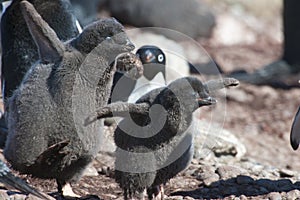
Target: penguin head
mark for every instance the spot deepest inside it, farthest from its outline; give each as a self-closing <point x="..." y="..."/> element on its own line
<point x="151" y="54"/>
<point x="153" y="60"/>
<point x="199" y="92"/>
<point x="188" y="93"/>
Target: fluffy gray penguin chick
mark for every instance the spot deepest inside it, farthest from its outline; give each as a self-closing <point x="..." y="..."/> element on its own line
<point x="46" y="134"/>
<point x="153" y="142"/>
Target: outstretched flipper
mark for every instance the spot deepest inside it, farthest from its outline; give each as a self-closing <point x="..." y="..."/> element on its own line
<point x="295" y="132"/>
<point x="7" y="178"/>
<point x="117" y="109"/>
<point x="50" y="48"/>
<point x="214" y="85"/>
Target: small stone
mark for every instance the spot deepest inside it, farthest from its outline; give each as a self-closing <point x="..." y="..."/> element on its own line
<point x="227" y="172"/>
<point x="90" y="171"/>
<point x="292" y="195"/>
<point x="18" y="197"/>
<point x="3" y="194"/>
<point x="286" y="173"/>
<point x="212" y="179"/>
<point x="243" y="180"/>
<point x="188" y="198"/>
<point x="32" y="197"/>
<point x="243" y="197"/>
<point x="274" y="196"/>
<point x="174" y="198"/>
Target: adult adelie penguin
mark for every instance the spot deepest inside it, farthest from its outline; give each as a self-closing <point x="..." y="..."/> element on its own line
<point x="154" y="63"/>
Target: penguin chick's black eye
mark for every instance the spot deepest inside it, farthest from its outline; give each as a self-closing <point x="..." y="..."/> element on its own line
<point x="160" y="58"/>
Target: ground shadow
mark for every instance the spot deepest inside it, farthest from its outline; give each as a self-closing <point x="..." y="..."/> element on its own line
<point x="241" y="185"/>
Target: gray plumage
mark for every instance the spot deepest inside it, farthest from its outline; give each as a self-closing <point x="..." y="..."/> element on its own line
<point x="153" y="141"/>
<point x="19" y="51"/>
<point x="46" y="113"/>
<point x="10" y="180"/>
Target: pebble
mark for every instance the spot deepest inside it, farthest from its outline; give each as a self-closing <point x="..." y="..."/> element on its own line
<point x="292" y="195"/>
<point x="212" y="179"/>
<point x="174" y="198"/>
<point x="274" y="196"/>
<point x="286" y="173"/>
<point x="227" y="172"/>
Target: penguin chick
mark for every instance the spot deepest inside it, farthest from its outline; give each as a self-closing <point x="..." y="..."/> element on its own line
<point x="154" y="76"/>
<point x="46" y="136"/>
<point x="153" y="141"/>
<point x="8" y="179"/>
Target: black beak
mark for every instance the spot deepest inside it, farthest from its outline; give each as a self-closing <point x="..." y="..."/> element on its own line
<point x="206" y="101"/>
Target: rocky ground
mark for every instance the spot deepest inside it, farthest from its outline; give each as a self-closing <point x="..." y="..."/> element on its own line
<point x="259" y="164"/>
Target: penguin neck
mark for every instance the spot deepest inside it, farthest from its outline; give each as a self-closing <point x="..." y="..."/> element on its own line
<point x="152" y="69"/>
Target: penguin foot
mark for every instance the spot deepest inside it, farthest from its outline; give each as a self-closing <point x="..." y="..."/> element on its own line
<point x="65" y="190"/>
<point x="68" y="192"/>
<point x="156" y="192"/>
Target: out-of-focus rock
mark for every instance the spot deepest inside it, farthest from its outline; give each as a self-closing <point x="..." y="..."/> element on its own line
<point x="220" y="142"/>
<point x="190" y="17"/>
<point x="86" y="11"/>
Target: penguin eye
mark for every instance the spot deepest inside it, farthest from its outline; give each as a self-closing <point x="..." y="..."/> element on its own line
<point x="160" y="58"/>
<point x="108" y="38"/>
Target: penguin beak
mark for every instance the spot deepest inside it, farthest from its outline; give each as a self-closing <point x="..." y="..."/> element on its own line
<point x="206" y="101"/>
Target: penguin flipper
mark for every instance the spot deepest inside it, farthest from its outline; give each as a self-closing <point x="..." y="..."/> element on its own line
<point x="214" y="85"/>
<point x="117" y="109"/>
<point x="295" y="131"/>
<point x="19" y="184"/>
<point x="10" y="180"/>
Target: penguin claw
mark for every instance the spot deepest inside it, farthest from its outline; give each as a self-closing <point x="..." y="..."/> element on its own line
<point x="156" y="192"/>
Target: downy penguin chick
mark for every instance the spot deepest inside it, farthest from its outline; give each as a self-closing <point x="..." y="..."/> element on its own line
<point x="153" y="141"/>
<point x="46" y="113"/>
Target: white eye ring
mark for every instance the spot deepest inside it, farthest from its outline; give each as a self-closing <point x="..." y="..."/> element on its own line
<point x="160" y="57"/>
